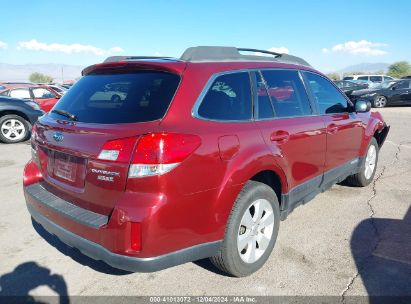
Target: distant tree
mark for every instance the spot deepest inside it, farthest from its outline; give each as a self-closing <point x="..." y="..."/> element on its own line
<point x="334" y="76"/>
<point x="399" y="69"/>
<point x="354" y="73"/>
<point x="40" y="78"/>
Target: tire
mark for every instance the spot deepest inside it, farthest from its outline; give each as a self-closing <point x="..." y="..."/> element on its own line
<point x="379" y="101"/>
<point x="259" y="237"/>
<point x="14" y="129"/>
<point x="363" y="177"/>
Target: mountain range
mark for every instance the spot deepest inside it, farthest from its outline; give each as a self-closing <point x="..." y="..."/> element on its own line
<point x="13" y="72"/>
<point x="366" y="68"/>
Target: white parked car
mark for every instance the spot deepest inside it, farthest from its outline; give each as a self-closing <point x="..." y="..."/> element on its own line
<point x="371" y="78"/>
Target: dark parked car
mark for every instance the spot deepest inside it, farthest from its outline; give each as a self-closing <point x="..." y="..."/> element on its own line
<point x="203" y="157"/>
<point x="396" y="92"/>
<point x="349" y="86"/>
<point x="16" y="118"/>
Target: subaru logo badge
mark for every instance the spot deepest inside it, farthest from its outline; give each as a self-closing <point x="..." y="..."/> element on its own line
<point x="57" y="136"/>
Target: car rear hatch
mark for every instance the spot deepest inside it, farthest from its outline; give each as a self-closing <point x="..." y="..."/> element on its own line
<point x="72" y="143"/>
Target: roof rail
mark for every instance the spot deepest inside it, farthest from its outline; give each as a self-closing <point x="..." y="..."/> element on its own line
<point x="123" y="58"/>
<point x="219" y="53"/>
<point x="223" y="53"/>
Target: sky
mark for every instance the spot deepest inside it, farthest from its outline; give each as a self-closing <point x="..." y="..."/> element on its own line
<point x="329" y="34"/>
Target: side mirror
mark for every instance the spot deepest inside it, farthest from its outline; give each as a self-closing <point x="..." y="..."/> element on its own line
<point x="362" y="106"/>
<point x="393" y="88"/>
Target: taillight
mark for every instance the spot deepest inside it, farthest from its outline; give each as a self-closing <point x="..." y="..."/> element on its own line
<point x="159" y="153"/>
<point x="119" y="150"/>
<point x="155" y="153"/>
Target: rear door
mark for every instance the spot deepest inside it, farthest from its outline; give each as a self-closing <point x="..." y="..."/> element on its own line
<point x="344" y="128"/>
<point x="290" y="129"/>
<point x="69" y="150"/>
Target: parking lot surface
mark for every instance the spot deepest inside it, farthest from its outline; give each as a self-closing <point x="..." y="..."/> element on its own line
<point x="347" y="241"/>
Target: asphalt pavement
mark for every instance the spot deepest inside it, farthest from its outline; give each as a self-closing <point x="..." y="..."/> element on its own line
<point x="345" y="242"/>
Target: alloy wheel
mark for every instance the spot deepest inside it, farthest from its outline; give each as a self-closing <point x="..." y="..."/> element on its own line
<point x="370" y="161"/>
<point x="255" y="231"/>
<point x="13" y="129"/>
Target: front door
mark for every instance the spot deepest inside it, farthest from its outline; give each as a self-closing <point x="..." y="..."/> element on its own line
<point x="344" y="129"/>
<point x="45" y="98"/>
<point x="401" y="92"/>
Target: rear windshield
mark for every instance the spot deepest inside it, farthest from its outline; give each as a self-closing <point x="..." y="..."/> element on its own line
<point x="119" y="98"/>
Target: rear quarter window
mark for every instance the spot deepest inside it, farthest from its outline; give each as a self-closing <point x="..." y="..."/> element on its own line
<point x="228" y="98"/>
<point x="120" y="98"/>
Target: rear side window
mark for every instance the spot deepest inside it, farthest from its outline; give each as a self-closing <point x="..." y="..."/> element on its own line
<point x="402" y="85"/>
<point x="327" y="96"/>
<point x="119" y="98"/>
<point x="376" y="78"/>
<point x="229" y="98"/>
<point x="264" y="105"/>
<point x="20" y="93"/>
<point x="286" y="93"/>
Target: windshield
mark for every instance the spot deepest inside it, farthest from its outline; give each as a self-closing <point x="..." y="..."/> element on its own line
<point x="118" y="98"/>
<point x="384" y="85"/>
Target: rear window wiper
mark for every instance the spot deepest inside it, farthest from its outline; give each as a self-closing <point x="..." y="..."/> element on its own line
<point x="66" y="114"/>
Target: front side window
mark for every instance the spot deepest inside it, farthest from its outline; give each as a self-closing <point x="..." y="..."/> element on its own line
<point x="402" y="85"/>
<point x="229" y="98"/>
<point x="287" y="93"/>
<point x="42" y="93"/>
<point x="20" y="93"/>
<point x="363" y="78"/>
<point x="327" y="96"/>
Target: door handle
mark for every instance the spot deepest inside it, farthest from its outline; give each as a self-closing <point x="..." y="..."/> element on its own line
<point x="332" y="128"/>
<point x="280" y="136"/>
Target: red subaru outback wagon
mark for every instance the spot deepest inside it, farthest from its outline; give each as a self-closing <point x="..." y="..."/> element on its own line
<point x="202" y="156"/>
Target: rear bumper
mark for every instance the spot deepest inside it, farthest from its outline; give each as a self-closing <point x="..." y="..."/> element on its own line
<point x="128" y="263"/>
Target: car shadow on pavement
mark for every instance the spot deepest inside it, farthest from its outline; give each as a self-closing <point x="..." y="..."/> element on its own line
<point x="207" y="265"/>
<point x="16" y="285"/>
<point x="381" y="248"/>
<point x="75" y="254"/>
